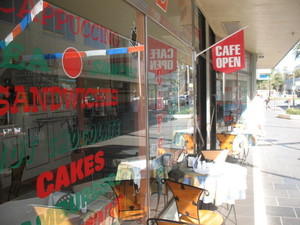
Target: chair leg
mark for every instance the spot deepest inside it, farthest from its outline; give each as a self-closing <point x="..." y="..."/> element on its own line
<point x="232" y="208"/>
<point x="157" y="204"/>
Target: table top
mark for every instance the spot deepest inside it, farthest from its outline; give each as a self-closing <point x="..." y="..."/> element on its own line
<point x="226" y="182"/>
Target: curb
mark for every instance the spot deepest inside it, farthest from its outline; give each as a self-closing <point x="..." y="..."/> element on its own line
<point x="288" y="116"/>
<point x="181" y="116"/>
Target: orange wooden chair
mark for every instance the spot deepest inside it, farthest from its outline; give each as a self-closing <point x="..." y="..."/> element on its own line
<point x="226" y="142"/>
<point x="189" y="143"/>
<point x="130" y="200"/>
<point x="187" y="200"/>
<point x="215" y="155"/>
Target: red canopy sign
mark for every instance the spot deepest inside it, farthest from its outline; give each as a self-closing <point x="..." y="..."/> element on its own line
<point x="229" y="55"/>
<point x="163" y="4"/>
<point x="162" y="57"/>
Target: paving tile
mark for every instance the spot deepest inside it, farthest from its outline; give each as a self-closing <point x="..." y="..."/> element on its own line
<point x="268" y="186"/>
<point x="276" y="193"/>
<point x="294" y="193"/>
<point x="244" y="220"/>
<point x="285" y="187"/>
<point x="280" y="211"/>
<point x="248" y="201"/>
<point x="272" y="201"/>
<point x="273" y="179"/>
<point x="244" y="210"/>
<point x="273" y="220"/>
<point x="297" y="210"/>
<point x="291" y="180"/>
<point x="290" y="221"/>
<point x="288" y="202"/>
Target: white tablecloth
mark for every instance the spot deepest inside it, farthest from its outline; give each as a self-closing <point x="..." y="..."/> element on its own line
<point x="226" y="182"/>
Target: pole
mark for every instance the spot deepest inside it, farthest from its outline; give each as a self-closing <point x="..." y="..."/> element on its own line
<point x="220" y="41"/>
<point x="223" y="95"/>
<point x="293" y="88"/>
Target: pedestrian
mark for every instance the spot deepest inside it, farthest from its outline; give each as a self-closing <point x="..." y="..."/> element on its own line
<point x="267" y="100"/>
<point x="254" y="117"/>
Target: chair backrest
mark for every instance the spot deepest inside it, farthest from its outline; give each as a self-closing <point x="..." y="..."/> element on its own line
<point x="189" y="143"/>
<point x="17" y="169"/>
<point x="187" y="198"/>
<point x="17" y="172"/>
<point x="157" y="221"/>
<point x="128" y="195"/>
<point x="215" y="155"/>
<point x="226" y="140"/>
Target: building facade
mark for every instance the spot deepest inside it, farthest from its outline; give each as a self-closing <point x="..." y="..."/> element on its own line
<point x="98" y="93"/>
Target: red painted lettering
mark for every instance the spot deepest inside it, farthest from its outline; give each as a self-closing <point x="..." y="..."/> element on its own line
<point x="50" y="10"/>
<point x="36" y="96"/>
<point x="114" y="97"/>
<point x="40" y="184"/>
<point x="89" y="92"/>
<point x="60" y="14"/>
<point x="62" y="178"/>
<point x="7" y="10"/>
<point x="76" y="171"/>
<point x="89" y="28"/>
<point x="99" y="161"/>
<point x="71" y="22"/>
<point x="3" y="102"/>
<point x="92" y="32"/>
<point x="21" y="98"/>
<point x="55" y="90"/>
<point x="25" y="7"/>
<point x="89" y="165"/>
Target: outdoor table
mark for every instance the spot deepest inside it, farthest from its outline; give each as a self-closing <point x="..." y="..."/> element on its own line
<point x="226" y="182"/>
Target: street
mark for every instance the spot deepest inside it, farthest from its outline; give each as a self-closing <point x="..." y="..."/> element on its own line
<point x="273" y="196"/>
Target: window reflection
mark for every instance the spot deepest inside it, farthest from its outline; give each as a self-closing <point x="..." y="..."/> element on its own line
<point x="171" y="105"/>
<point x="72" y="119"/>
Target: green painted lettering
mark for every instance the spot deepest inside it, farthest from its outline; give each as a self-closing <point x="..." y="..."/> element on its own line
<point x="38" y="61"/>
<point x="12" y="56"/>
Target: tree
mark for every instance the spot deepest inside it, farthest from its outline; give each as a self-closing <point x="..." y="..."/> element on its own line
<point x="297" y="51"/>
<point x="277" y="81"/>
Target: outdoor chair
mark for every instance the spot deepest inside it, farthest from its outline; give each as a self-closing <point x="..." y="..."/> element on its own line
<point x="16" y="177"/>
<point x="215" y="155"/>
<point x="226" y="142"/>
<point x="188" y="204"/>
<point x="189" y="143"/>
<point x="130" y="200"/>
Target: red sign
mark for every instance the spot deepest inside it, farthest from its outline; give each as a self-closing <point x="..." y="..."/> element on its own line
<point x="72" y="62"/>
<point x="159" y="142"/>
<point x="163" y="4"/>
<point x="159" y="104"/>
<point x="229" y="55"/>
<point x="162" y="57"/>
<point x="159" y="118"/>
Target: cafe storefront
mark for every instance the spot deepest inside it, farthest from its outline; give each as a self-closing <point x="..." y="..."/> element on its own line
<point x="98" y="102"/>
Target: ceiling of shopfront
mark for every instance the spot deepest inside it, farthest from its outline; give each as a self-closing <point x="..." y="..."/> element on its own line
<point x="273" y="25"/>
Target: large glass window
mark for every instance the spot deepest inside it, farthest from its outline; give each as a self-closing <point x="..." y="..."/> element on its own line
<point x="72" y="113"/>
<point x="232" y="92"/>
<point x="171" y="106"/>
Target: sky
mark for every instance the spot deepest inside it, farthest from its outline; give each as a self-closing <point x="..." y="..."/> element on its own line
<point x="289" y="62"/>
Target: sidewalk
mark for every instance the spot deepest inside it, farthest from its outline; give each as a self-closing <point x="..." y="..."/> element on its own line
<point x="273" y="195"/>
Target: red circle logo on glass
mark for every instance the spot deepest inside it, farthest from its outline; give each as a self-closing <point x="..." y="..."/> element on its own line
<point x="72" y="62"/>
